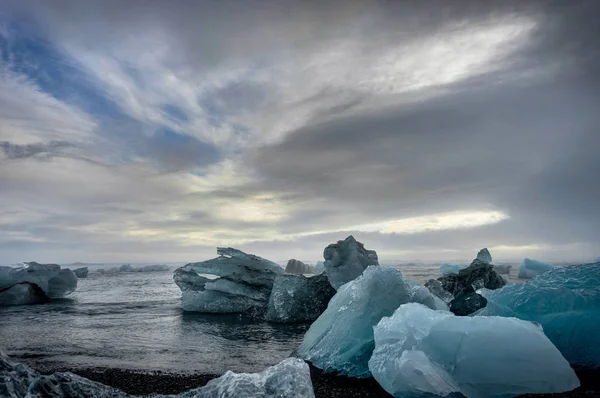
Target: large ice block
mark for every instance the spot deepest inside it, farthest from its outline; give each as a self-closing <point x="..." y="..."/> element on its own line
<point x="419" y="351"/>
<point x="346" y="260"/>
<point x="451" y="269"/>
<point x="341" y="339"/>
<point x="53" y="281"/>
<point x="242" y="283"/>
<point x="296" y="298"/>
<point x="565" y="301"/>
<point x="529" y="268"/>
<point x="298" y="267"/>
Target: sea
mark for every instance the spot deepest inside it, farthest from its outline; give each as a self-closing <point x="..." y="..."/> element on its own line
<point x="134" y="321"/>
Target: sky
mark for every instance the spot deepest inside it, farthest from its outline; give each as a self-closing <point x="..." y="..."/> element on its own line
<point x="153" y="131"/>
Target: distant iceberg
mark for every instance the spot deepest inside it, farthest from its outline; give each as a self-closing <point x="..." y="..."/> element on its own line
<point x="81" y="272"/>
<point x="129" y="268"/>
<point x="298" y="267"/>
<point x="530" y="268"/>
<point x="35" y="283"/>
<point x="420" y="351"/>
<point x="565" y="301"/>
<point x="288" y="379"/>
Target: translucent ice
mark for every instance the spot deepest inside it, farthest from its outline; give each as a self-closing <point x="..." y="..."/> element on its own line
<point x="530" y="268"/>
<point x="131" y="268"/>
<point x="341" y="339"/>
<point x="484" y="255"/>
<point x="418" y="351"/>
<point x="288" y="379"/>
<point x="449" y="269"/>
<point x="242" y="284"/>
<point x="296" y="298"/>
<point x="23" y="293"/>
<point x="565" y="301"/>
<point x="420" y="294"/>
<point x="346" y="260"/>
<point x="53" y="281"/>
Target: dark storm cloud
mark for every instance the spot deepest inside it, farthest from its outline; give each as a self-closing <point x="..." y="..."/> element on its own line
<point x="344" y="113"/>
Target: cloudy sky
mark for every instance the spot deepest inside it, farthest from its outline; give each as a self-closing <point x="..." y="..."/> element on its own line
<point x="155" y="131"/>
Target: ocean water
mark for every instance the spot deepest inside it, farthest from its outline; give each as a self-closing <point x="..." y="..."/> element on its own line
<point x="134" y="321"/>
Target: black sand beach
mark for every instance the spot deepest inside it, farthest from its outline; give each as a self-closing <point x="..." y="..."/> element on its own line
<point x="325" y="386"/>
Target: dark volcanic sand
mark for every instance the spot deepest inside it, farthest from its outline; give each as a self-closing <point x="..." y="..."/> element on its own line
<point x="325" y="386"/>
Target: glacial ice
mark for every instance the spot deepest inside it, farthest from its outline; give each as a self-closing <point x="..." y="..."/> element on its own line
<point x="296" y="298"/>
<point x="346" y="260"/>
<point x="81" y="272"/>
<point x="297" y="267"/>
<point x="451" y="269"/>
<point x="130" y="268"/>
<point x="53" y="281"/>
<point x="420" y="351"/>
<point x="341" y="339"/>
<point x="243" y="283"/>
<point x="565" y="301"/>
<point x="420" y="294"/>
<point x="288" y="379"/>
<point x="484" y="256"/>
<point x="23" y="293"/>
<point x="435" y="287"/>
<point x="530" y="268"/>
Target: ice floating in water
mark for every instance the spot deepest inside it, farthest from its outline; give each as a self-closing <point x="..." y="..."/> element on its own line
<point x="565" y="301"/>
<point x="53" y="281"/>
<point x="23" y="293"/>
<point x="530" y="268"/>
<point x="244" y="284"/>
<point x="298" y="267"/>
<point x="451" y="269"/>
<point x="346" y="260"/>
<point x="296" y="298"/>
<point x="420" y="351"/>
<point x="341" y="339"/>
<point x="81" y="272"/>
<point x="130" y="268"/>
<point x="288" y="379"/>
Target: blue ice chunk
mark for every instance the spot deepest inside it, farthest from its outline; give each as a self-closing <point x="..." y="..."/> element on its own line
<point x="565" y="301"/>
<point x="346" y="260"/>
<point x="341" y="339"/>
<point x="451" y="269"/>
<point x="530" y="268"/>
<point x="419" y="351"/>
<point x="484" y="255"/>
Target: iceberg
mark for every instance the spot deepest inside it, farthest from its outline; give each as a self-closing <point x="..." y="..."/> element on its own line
<point x="341" y="339"/>
<point x="242" y="283"/>
<point x="81" y="272"/>
<point x="23" y="293"/>
<point x="530" y="268"/>
<point x="130" y="268"/>
<point x="288" y="379"/>
<point x="484" y="256"/>
<point x="419" y="351"/>
<point x="346" y="260"/>
<point x="298" y="267"/>
<point x="467" y="304"/>
<point x="50" y="279"/>
<point x="296" y="298"/>
<point x="451" y="269"/>
<point x="565" y="301"/>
